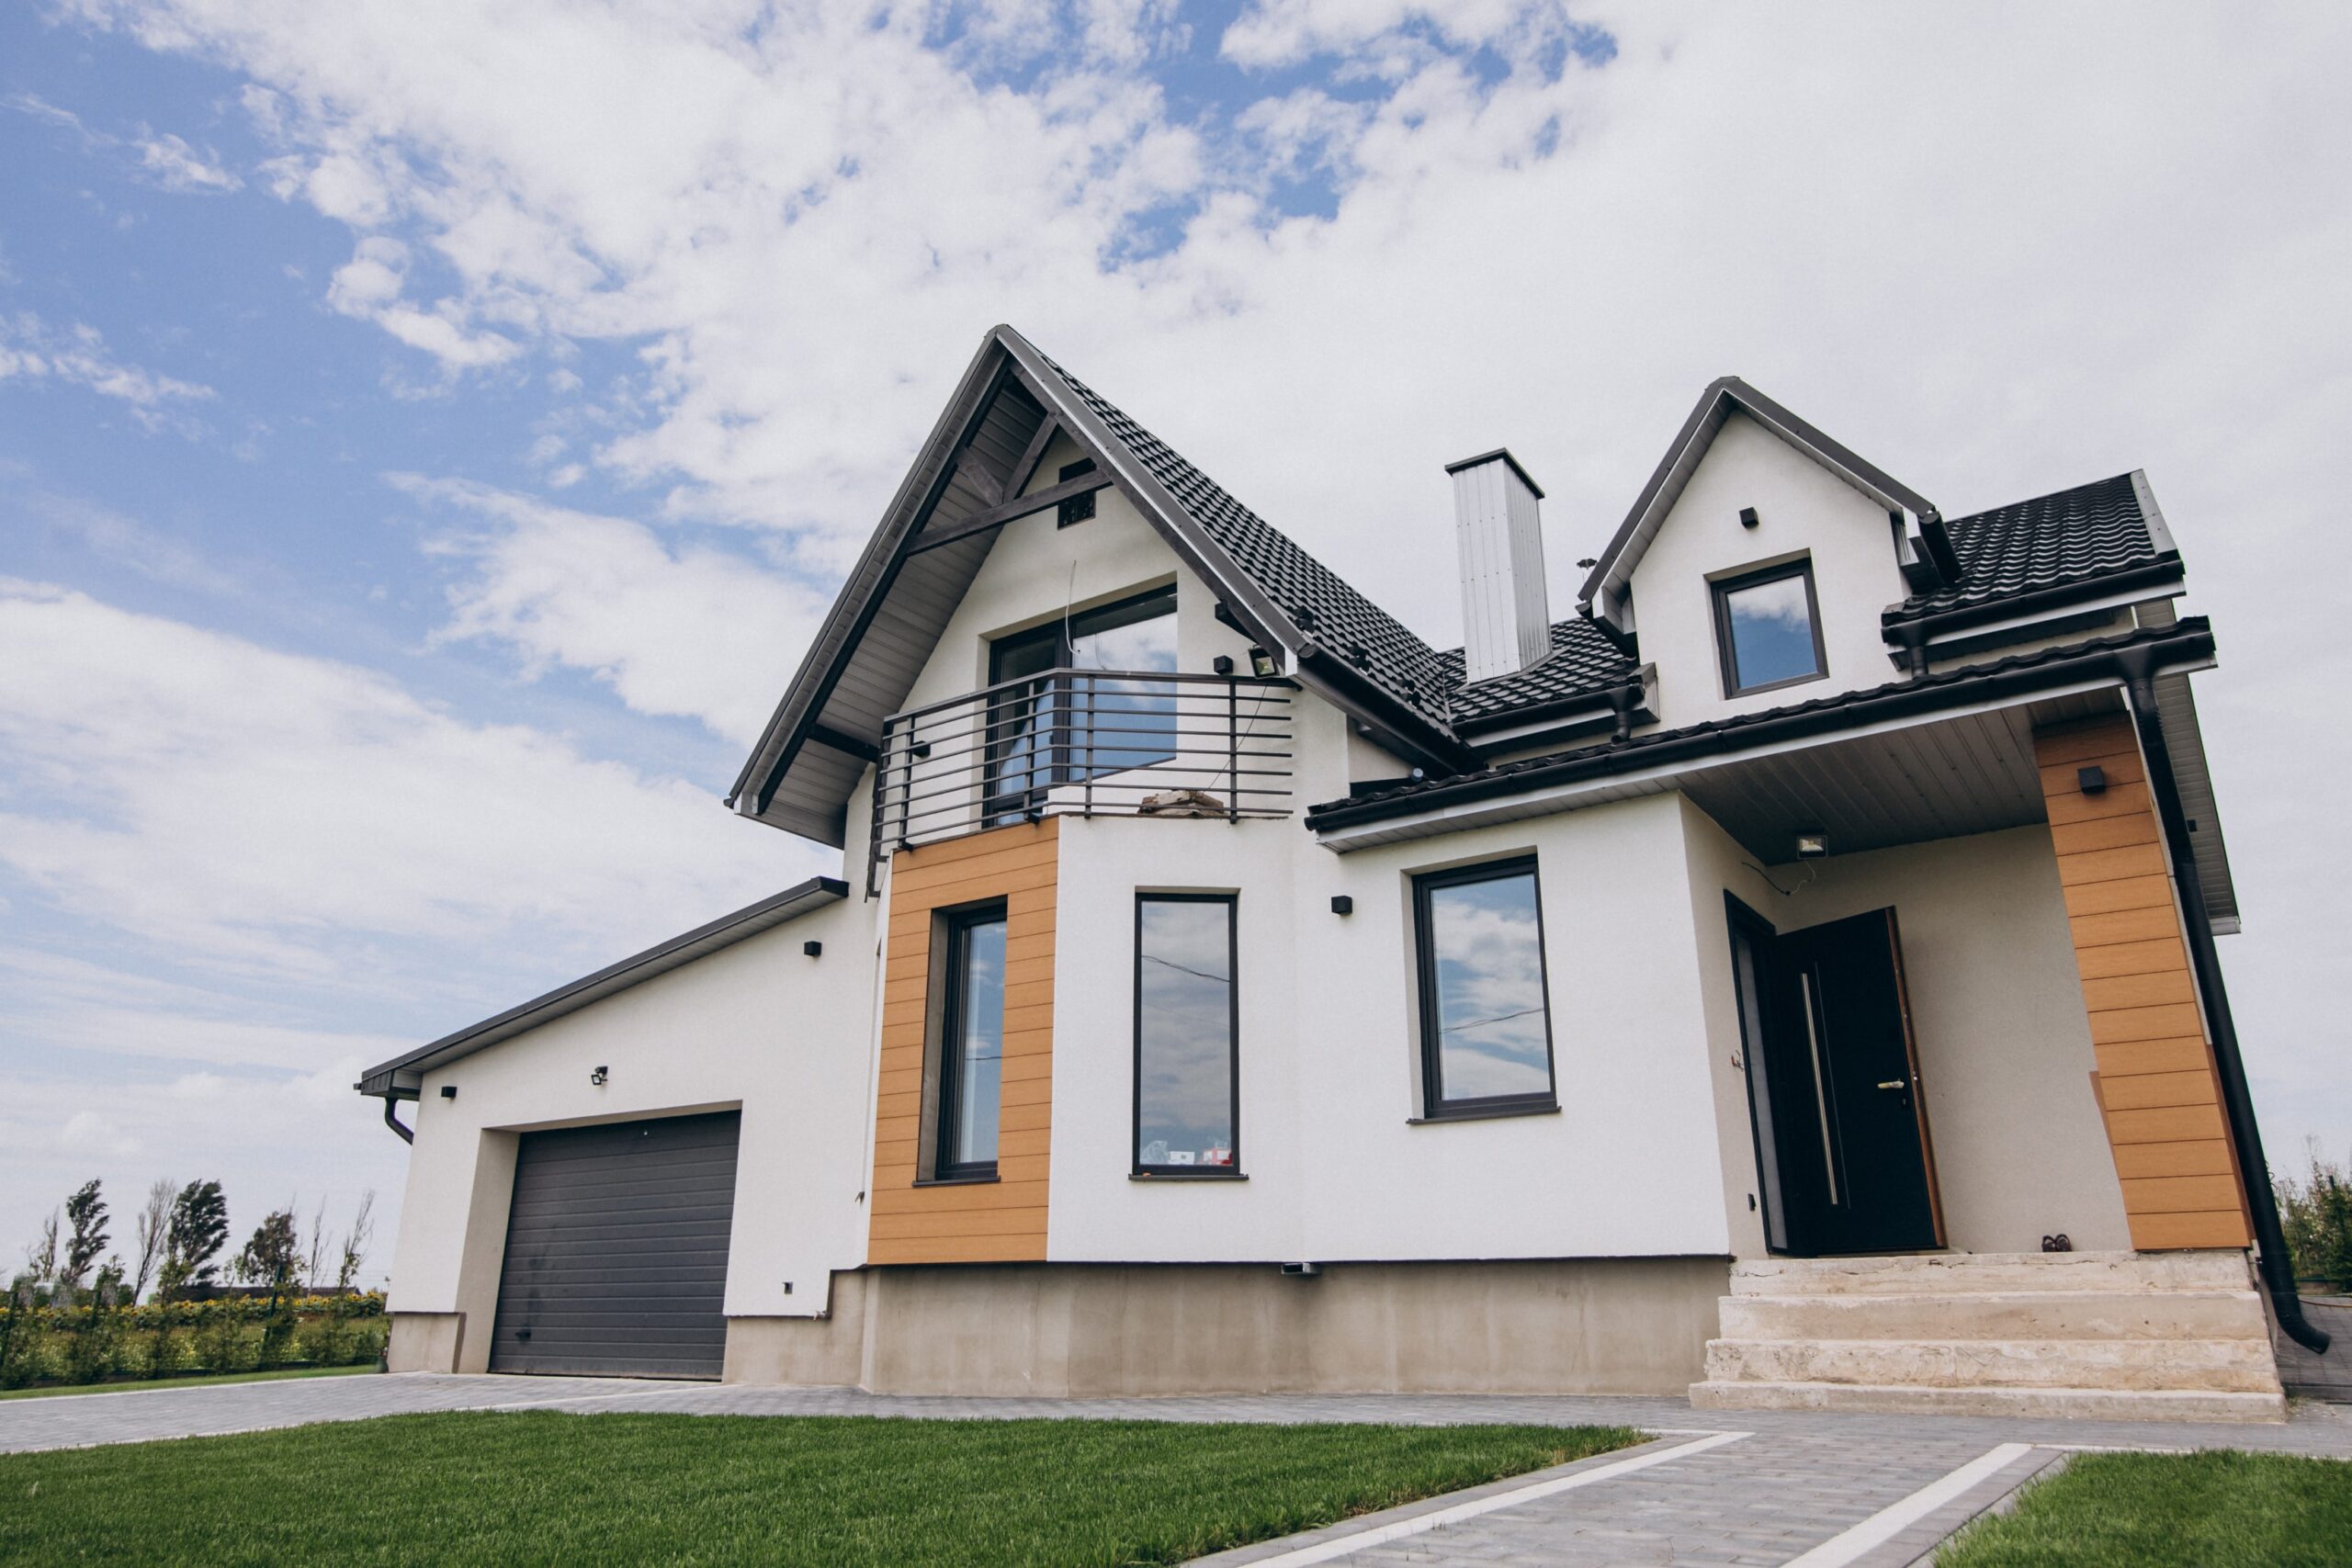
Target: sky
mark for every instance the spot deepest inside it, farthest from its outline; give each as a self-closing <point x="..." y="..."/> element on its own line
<point x="429" y="432"/>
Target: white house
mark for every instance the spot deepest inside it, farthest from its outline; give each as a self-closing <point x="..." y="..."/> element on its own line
<point x="1791" y="974"/>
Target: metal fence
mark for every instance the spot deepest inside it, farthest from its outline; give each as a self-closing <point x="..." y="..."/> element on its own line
<point x="1084" y="743"/>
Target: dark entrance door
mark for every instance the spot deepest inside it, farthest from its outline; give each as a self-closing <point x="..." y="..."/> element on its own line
<point x="1833" y="1084"/>
<point x="616" y="1249"/>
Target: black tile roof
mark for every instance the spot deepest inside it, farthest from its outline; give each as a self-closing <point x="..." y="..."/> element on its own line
<point x="1404" y="794"/>
<point x="1335" y="614"/>
<point x="1582" y="662"/>
<point x="2050" y="541"/>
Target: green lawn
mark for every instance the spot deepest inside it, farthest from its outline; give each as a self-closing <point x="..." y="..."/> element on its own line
<point x="2200" y="1510"/>
<point x="128" y="1385"/>
<point x="543" y="1486"/>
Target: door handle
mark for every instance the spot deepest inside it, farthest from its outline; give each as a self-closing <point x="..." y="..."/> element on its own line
<point x="1896" y="1083"/>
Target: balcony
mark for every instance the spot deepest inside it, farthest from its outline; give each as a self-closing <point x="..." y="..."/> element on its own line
<point x="1084" y="743"/>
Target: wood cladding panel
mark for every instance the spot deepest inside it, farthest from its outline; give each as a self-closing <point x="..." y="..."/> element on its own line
<point x="970" y="1221"/>
<point x="2157" y="1086"/>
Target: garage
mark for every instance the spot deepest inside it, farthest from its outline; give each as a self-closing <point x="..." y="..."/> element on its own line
<point x="616" y="1249"/>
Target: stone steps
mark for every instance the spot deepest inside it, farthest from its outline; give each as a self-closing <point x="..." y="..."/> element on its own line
<point x="2096" y="1335"/>
<point x="1998" y="1314"/>
<point x="2059" y="1403"/>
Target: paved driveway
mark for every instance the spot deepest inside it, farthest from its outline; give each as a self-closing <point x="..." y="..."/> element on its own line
<point x="1790" y="1483"/>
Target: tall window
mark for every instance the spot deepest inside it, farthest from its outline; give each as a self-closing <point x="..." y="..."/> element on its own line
<point x="1187" y="1023"/>
<point x="1047" y="729"/>
<point x="971" y="1045"/>
<point x="1767" y="625"/>
<point x="1485" y="1018"/>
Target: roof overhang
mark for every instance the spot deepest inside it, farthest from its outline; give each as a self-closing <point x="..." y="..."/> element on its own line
<point x="401" y="1078"/>
<point x="1649" y="764"/>
<point x="1924" y="552"/>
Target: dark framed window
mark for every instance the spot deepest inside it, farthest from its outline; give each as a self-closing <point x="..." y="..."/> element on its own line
<point x="1188" y="1032"/>
<point x="1485" y="1006"/>
<point x="971" y="1044"/>
<point x="1075" y="508"/>
<point x="1768" y="627"/>
<point x="1058" y="729"/>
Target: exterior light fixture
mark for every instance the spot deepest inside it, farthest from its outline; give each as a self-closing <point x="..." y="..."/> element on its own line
<point x="449" y="1091"/>
<point x="1343" y="904"/>
<point x="1222" y="664"/>
<point x="1748" y="518"/>
<point x="1261" y="664"/>
<point x="1812" y="846"/>
<point x="812" y="947"/>
<point x="2092" y="781"/>
<point x="597" y="1076"/>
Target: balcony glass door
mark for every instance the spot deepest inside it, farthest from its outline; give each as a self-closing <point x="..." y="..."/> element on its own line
<point x="1048" y="729"/>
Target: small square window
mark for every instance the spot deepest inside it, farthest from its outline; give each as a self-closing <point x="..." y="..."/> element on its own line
<point x="1077" y="508"/>
<point x="1768" y="626"/>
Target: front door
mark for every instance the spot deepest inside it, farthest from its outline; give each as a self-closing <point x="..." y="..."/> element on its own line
<point x="1833" y="1082"/>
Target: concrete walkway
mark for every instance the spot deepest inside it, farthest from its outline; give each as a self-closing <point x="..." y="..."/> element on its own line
<point x="1792" y="1483"/>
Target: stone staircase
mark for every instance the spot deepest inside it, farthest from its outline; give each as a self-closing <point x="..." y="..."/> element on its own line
<point x="2108" y="1335"/>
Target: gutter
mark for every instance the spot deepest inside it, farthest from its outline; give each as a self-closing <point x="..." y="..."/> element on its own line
<point x="408" y="1135"/>
<point x="2187" y="641"/>
<point x="2139" y="667"/>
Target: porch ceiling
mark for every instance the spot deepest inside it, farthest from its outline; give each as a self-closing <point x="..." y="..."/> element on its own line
<point x="1973" y="772"/>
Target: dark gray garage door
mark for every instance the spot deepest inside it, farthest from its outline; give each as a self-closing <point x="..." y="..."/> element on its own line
<point x="616" y="1249"/>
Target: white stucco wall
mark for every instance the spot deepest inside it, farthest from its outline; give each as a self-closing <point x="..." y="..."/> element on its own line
<point x="2005" y="1049"/>
<point x="1801" y="508"/>
<point x="759" y="1025"/>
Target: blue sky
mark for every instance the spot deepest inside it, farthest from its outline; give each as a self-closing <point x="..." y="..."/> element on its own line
<point x="426" y="439"/>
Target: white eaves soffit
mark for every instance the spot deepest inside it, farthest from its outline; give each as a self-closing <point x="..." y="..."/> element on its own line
<point x="1604" y="589"/>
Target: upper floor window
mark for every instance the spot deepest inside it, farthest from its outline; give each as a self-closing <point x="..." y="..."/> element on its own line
<point x="1486" y="1013"/>
<point x="971" y="1045"/>
<point x="1767" y="625"/>
<point x="1066" y="729"/>
<point x="1187" y="1024"/>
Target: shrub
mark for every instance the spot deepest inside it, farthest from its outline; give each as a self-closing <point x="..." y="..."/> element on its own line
<point x="2316" y="1216"/>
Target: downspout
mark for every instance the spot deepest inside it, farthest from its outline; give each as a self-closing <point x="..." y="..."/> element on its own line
<point x="2237" y="1100"/>
<point x="394" y="1122"/>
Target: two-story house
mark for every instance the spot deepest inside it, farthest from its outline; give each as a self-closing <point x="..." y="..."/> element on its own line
<point x="1791" y="974"/>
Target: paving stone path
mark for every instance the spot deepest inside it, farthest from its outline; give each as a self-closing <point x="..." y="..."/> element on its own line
<point x="1794" y="1482"/>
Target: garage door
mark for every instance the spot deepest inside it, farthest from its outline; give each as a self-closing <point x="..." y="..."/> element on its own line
<point x="616" y="1249"/>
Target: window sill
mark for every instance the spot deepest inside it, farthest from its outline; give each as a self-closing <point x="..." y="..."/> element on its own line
<point x="1484" y="1113"/>
<point x="1187" y="1176"/>
<point x="959" y="1180"/>
<point x="1776" y="685"/>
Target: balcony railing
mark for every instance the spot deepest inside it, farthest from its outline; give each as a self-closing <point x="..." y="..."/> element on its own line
<point x="1084" y="743"/>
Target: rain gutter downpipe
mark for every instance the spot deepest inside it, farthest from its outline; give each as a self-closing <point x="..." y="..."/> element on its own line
<point x="407" y="1135"/>
<point x="2237" y="1100"/>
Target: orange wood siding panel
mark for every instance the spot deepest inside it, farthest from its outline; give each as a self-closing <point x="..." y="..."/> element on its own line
<point x="2156" y="1083"/>
<point x="990" y="1221"/>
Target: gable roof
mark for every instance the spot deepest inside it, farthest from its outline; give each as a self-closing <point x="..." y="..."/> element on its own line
<point x="2065" y="539"/>
<point x="891" y="610"/>
<point x="1603" y="590"/>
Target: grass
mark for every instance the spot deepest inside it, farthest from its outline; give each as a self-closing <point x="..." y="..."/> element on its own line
<point x="128" y="1384"/>
<point x="544" y="1486"/>
<point x="2213" y="1509"/>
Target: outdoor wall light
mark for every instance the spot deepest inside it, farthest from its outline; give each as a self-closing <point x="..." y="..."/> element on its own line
<point x="1261" y="664"/>
<point x="1222" y="664"/>
<point x="2092" y="781"/>
<point x="449" y="1091"/>
<point x="1812" y="846"/>
<point x="1748" y="518"/>
<point x="597" y="1076"/>
<point x="1343" y="904"/>
<point x="812" y="947"/>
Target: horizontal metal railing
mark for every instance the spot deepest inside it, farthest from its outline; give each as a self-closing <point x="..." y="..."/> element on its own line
<point x="1084" y="743"/>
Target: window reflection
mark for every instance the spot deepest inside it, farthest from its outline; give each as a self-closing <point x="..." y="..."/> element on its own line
<point x="1486" y="1025"/>
<point x="1768" y="626"/>
<point x="1184" y="1034"/>
<point x="972" y="1052"/>
<point x="1070" y="729"/>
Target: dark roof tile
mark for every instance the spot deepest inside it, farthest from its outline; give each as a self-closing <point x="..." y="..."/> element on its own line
<point x="2053" y="540"/>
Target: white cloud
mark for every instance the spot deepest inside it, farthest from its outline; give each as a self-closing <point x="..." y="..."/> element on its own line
<point x="268" y="813"/>
<point x="174" y="165"/>
<point x="702" y="633"/>
<point x="33" y="351"/>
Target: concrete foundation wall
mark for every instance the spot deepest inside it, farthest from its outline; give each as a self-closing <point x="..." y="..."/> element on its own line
<point x="1585" y="1326"/>
<point x="425" y="1341"/>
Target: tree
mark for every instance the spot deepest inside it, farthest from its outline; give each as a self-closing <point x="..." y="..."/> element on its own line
<point x="355" y="1242"/>
<point x="199" y="1229"/>
<point x="85" y="1217"/>
<point x="155" y="1233"/>
<point x="314" y="1257"/>
<point x="270" y="1257"/>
